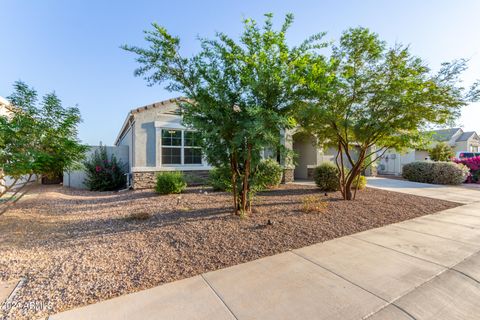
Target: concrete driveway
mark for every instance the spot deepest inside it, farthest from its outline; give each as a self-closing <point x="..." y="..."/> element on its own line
<point x="425" y="268"/>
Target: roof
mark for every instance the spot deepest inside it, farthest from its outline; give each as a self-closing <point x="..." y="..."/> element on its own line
<point x="444" y="134"/>
<point x="132" y="112"/>
<point x="466" y="135"/>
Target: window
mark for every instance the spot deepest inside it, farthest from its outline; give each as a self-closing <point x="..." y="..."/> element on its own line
<point x="171" y="146"/>
<point x="181" y="147"/>
<point x="474" y="148"/>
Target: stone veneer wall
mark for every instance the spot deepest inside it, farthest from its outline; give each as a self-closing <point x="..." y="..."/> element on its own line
<point x="287" y="175"/>
<point x="147" y="179"/>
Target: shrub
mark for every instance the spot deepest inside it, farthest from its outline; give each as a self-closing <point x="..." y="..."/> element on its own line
<point x="269" y="175"/>
<point x="418" y="171"/>
<point x="449" y="173"/>
<point x="474" y="165"/>
<point x="435" y="172"/>
<point x="170" y="182"/>
<point x="326" y="177"/>
<point x="361" y="181"/>
<point x="314" y="204"/>
<point x="220" y="179"/>
<point x="441" y="152"/>
<point x="104" y="174"/>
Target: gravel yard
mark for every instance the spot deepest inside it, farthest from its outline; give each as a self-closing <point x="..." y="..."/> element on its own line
<point x="74" y="247"/>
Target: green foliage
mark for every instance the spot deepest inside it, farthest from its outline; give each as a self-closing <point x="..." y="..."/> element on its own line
<point x="220" y="179"/>
<point x="104" y="174"/>
<point x="38" y="137"/>
<point x="418" y="171"/>
<point x="238" y="92"/>
<point x="170" y="182"/>
<point x="326" y="177"/>
<point x="359" y="183"/>
<point x="441" y="152"/>
<point x="269" y="175"/>
<point x="367" y="95"/>
<point x="435" y="172"/>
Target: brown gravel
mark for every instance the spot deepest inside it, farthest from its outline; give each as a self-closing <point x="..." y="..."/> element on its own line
<point x="77" y="247"/>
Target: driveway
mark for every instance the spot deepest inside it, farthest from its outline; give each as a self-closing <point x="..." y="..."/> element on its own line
<point x="424" y="268"/>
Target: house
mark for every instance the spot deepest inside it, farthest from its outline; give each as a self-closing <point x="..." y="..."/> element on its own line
<point x="158" y="141"/>
<point x="392" y="161"/>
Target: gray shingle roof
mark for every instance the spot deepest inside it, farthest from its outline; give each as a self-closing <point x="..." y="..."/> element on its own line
<point x="466" y="135"/>
<point x="444" y="134"/>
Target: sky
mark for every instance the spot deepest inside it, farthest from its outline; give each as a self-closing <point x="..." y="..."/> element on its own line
<point x="72" y="47"/>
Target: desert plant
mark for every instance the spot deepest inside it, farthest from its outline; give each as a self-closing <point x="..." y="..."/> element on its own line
<point x="449" y="173"/>
<point x="359" y="183"/>
<point x="170" y="182"/>
<point x="326" y="177"/>
<point x="314" y="204"/>
<point x="441" y="152"/>
<point x="138" y="216"/>
<point x="435" y="172"/>
<point x="104" y="174"/>
<point x="269" y="174"/>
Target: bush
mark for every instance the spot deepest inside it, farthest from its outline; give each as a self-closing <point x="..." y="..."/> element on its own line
<point x="269" y="175"/>
<point x="104" y="174"/>
<point x="435" y="172"/>
<point x="170" y="182"/>
<point x="418" y="171"/>
<point x="474" y="165"/>
<point x="326" y="177"/>
<point x="220" y="179"/>
<point x="449" y="173"/>
<point x="361" y="184"/>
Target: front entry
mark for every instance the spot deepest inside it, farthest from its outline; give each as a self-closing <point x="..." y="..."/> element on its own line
<point x="306" y="155"/>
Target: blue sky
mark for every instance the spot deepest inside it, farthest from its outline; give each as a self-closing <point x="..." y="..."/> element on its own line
<point x="72" y="47"/>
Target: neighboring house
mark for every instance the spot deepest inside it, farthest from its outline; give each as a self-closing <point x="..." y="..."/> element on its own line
<point x="392" y="161"/>
<point x="158" y="141"/>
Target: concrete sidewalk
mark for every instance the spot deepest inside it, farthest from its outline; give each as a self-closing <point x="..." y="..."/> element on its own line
<point x="425" y="268"/>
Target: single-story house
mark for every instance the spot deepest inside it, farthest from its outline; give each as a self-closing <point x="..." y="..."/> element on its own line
<point x="158" y="141"/>
<point x="393" y="161"/>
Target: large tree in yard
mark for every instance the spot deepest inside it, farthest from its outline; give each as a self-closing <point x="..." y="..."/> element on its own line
<point x="238" y="93"/>
<point x="368" y="98"/>
<point x="35" y="139"/>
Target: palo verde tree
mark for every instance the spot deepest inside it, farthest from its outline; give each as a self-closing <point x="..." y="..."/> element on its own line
<point x="367" y="98"/>
<point x="238" y="93"/>
<point x="36" y="139"/>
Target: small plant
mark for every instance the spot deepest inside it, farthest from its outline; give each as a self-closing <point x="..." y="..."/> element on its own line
<point x="441" y="152"/>
<point x="314" y="204"/>
<point x="104" y="174"/>
<point x="139" y="215"/>
<point x="326" y="177"/>
<point x="170" y="182"/>
<point x="359" y="183"/>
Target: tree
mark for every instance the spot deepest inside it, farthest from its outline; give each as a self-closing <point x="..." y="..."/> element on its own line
<point x="238" y="94"/>
<point x="367" y="98"/>
<point x="36" y="138"/>
<point x="441" y="152"/>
